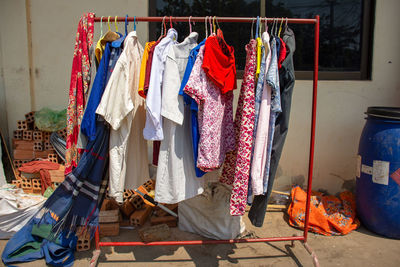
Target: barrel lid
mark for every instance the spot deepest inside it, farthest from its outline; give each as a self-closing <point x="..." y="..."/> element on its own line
<point x="384" y="112"/>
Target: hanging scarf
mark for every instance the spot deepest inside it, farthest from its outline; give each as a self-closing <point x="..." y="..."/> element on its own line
<point x="79" y="87"/>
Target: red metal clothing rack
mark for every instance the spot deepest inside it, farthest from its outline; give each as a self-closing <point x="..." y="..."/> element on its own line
<point x="302" y="238"/>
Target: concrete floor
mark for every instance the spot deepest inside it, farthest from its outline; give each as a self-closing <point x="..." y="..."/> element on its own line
<point x="359" y="248"/>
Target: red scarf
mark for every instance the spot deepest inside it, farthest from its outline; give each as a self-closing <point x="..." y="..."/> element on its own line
<point x="79" y="87"/>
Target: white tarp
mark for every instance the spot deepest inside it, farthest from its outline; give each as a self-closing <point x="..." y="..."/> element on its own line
<point x="208" y="214"/>
<point x="16" y="209"/>
<point x="2" y="175"/>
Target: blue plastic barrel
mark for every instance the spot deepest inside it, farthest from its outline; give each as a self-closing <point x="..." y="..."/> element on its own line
<point x="378" y="172"/>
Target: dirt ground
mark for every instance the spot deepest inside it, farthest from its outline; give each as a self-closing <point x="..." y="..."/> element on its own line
<point x="359" y="248"/>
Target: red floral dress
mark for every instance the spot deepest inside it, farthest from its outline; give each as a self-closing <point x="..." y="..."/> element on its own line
<point x="237" y="164"/>
<point x="79" y="87"/>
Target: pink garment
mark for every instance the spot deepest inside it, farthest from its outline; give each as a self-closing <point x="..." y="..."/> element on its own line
<point x="260" y="145"/>
<point x="215" y="117"/>
<point x="237" y="165"/>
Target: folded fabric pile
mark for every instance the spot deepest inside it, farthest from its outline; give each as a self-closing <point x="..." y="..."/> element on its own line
<point x="329" y="215"/>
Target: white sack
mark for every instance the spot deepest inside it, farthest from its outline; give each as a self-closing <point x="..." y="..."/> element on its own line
<point x="16" y="209"/>
<point x="208" y="214"/>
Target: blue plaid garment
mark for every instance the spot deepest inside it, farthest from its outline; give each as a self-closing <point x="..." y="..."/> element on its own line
<point x="76" y="202"/>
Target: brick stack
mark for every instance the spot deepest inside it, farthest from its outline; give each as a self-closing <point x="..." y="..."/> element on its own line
<point x="29" y="143"/>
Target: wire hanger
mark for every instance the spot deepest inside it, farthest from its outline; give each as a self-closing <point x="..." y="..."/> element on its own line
<point x="116" y="24"/>
<point x="101" y="26"/>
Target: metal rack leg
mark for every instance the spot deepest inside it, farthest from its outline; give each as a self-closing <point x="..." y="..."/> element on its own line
<point x="97" y="251"/>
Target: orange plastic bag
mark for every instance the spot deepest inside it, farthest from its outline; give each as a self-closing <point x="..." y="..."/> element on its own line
<point x="329" y="215"/>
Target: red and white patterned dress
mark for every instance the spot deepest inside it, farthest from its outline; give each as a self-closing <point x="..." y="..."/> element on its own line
<point x="215" y="117"/>
<point x="237" y="164"/>
<point x="79" y="87"/>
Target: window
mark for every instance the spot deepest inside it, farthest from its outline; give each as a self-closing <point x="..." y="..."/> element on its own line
<point x="345" y="30"/>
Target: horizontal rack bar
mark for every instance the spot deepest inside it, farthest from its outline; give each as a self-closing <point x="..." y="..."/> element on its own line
<point x="202" y="242"/>
<point x="201" y="19"/>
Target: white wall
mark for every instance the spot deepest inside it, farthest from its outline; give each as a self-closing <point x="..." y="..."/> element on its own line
<point x="341" y="104"/>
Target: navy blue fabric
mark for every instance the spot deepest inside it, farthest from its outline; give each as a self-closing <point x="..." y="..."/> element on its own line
<point x="193" y="105"/>
<point x="88" y="124"/>
<point x="56" y="252"/>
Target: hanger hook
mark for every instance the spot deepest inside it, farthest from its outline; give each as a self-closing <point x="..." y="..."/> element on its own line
<point x="280" y="28"/>
<point x="266" y="24"/>
<point x="214" y="24"/>
<point x="286" y="23"/>
<point x="126" y="24"/>
<point x="108" y="22"/>
<point x="216" y="21"/>
<point x="257" y="25"/>
<point x="170" y="22"/>
<point x="205" y="26"/>
<point x="190" y="25"/>
<point x="252" y="25"/>
<point x="209" y="22"/>
<point x="101" y="26"/>
<point x="116" y="24"/>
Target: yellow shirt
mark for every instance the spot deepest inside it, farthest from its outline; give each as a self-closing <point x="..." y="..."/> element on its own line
<point x="143" y="67"/>
<point x="101" y="44"/>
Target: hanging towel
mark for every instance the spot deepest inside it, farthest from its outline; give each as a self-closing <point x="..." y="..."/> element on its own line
<point x="79" y="87"/>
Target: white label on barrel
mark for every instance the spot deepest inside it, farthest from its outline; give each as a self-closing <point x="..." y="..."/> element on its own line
<point x="366" y="169"/>
<point x="358" y="170"/>
<point x="380" y="172"/>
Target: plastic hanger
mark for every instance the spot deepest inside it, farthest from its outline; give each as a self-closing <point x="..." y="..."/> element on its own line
<point x="118" y="43"/>
<point x="257" y="25"/>
<point x="205" y="26"/>
<point x="134" y="22"/>
<point x="280" y="28"/>
<point x="209" y="21"/>
<point x="163" y="29"/>
<point x="214" y="31"/>
<point x="116" y="24"/>
<point x="190" y="25"/>
<point x="170" y="22"/>
<point x="109" y="36"/>
<point x="252" y="26"/>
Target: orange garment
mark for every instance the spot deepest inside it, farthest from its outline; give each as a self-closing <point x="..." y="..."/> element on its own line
<point x="143" y="68"/>
<point x="42" y="167"/>
<point x="329" y="215"/>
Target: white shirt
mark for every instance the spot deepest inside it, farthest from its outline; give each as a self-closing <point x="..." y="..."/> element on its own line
<point x="153" y="129"/>
<point x="123" y="109"/>
<point x="176" y="177"/>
